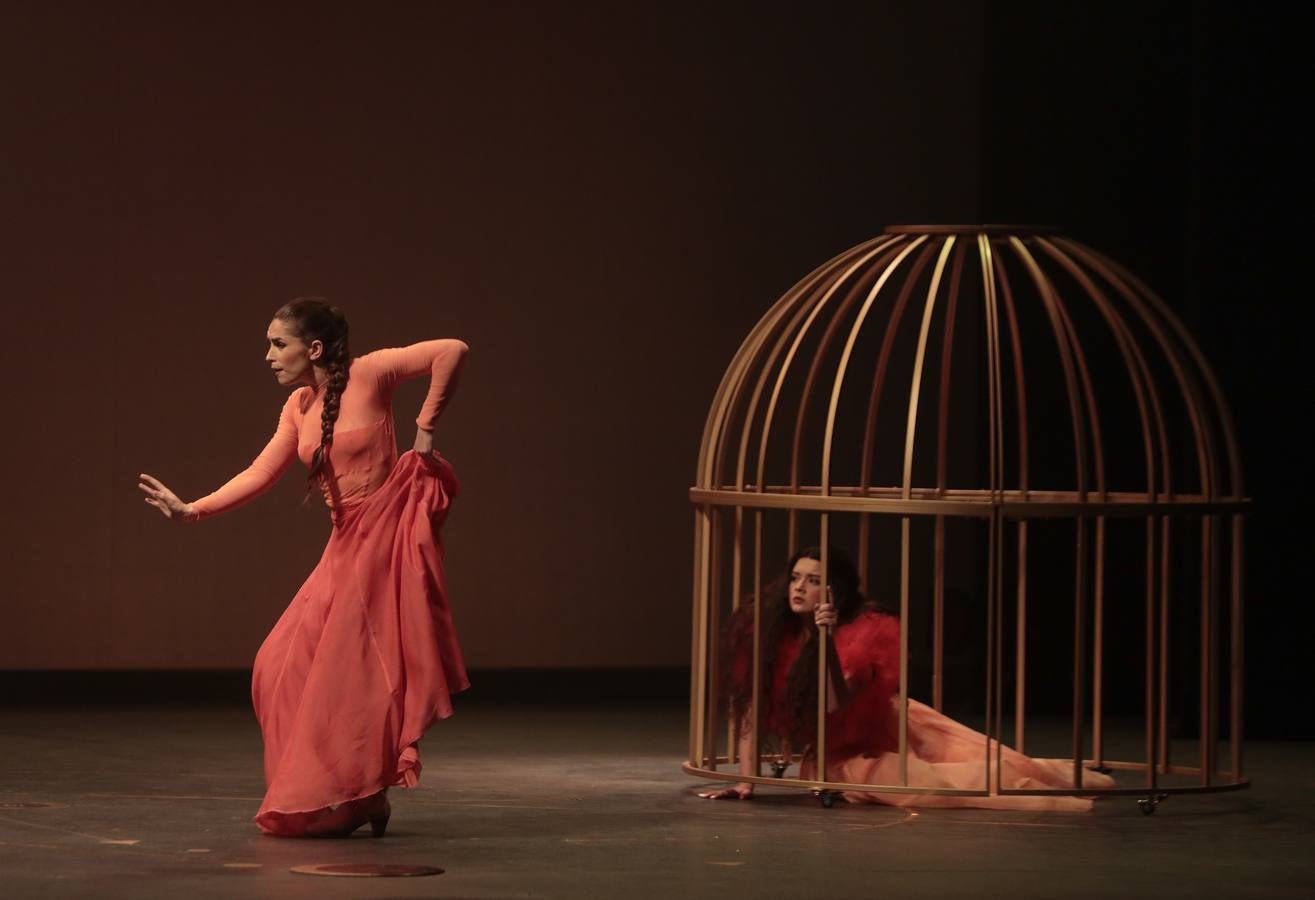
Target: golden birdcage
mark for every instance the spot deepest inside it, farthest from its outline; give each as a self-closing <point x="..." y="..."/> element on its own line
<point x="1028" y="456"/>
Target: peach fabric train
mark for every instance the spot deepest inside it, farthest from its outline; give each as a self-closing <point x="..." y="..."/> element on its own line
<point x="365" y="658"/>
<point x="944" y="753"/>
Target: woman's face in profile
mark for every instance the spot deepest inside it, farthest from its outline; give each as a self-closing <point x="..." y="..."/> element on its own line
<point x="805" y="585"/>
<point x="288" y="356"/>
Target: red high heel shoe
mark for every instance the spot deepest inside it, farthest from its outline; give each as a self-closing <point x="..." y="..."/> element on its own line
<point x="379" y="817"/>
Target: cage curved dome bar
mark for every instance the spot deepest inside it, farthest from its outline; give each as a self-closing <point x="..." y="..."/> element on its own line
<point x="1029" y="457"/>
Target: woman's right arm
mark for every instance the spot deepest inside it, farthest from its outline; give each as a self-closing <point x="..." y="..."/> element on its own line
<point x="748" y="758"/>
<point x="263" y="473"/>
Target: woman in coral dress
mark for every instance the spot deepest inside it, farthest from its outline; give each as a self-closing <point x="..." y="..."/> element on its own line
<point x="365" y="657"/>
<point x="862" y="711"/>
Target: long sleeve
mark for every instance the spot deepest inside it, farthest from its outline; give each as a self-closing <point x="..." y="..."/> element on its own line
<point x="264" y="471"/>
<point x="442" y="359"/>
<point x="869" y="652"/>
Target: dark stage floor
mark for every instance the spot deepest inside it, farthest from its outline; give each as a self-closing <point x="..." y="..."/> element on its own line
<point x="589" y="801"/>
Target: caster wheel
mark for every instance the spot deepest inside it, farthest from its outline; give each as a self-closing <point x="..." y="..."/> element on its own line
<point x="826" y="798"/>
<point x="778" y="769"/>
<point x="1147" y="805"/>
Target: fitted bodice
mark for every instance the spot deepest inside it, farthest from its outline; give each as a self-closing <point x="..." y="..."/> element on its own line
<point x="359" y="461"/>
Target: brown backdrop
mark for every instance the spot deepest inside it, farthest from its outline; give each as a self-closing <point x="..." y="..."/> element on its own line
<point x="600" y="202"/>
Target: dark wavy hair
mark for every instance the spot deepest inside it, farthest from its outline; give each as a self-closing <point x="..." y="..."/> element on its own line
<point x="315" y="319"/>
<point x="800" y="713"/>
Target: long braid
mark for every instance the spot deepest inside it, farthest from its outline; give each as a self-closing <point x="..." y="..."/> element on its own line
<point x="334" y="385"/>
<point x="315" y="319"/>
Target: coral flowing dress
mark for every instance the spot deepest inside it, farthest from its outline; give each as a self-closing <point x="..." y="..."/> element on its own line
<point x="365" y="658"/>
<point x="863" y="735"/>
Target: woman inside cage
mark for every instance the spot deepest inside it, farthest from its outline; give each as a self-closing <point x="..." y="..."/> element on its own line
<point x="862" y="733"/>
<point x="364" y="659"/>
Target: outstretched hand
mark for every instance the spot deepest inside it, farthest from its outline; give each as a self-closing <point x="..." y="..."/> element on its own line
<point x="165" y="500"/>
<point x="741" y="791"/>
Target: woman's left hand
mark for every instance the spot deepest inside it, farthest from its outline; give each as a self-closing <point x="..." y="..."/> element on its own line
<point x="165" y="500"/>
<point x="825" y="614"/>
<point x="424" y="444"/>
